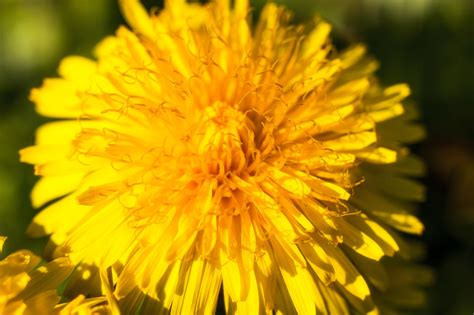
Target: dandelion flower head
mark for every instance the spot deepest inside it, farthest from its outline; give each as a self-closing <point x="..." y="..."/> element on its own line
<point x="200" y="154"/>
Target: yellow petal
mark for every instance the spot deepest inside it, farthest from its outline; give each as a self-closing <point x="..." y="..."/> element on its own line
<point x="290" y="183"/>
<point x="352" y="142"/>
<point x="336" y="304"/>
<point x="395" y="213"/>
<point x="137" y="16"/>
<point x="325" y="159"/>
<point x="373" y="271"/>
<point x="387" y="113"/>
<point x="248" y="241"/>
<point x="390" y="96"/>
<point x="359" y="241"/>
<point x="322" y="188"/>
<point x="236" y="282"/>
<point x="346" y="274"/>
<point x="316" y="39"/>
<point x="57" y="98"/>
<point x="378" y="155"/>
<point x="376" y="232"/>
<point x="53" y="219"/>
<point x="299" y="283"/>
<point x="49" y="188"/>
<point x="184" y="238"/>
<point x="106" y="244"/>
<point x="106" y="46"/>
<point x="297" y="218"/>
<point x="349" y="92"/>
<point x="2" y="242"/>
<point x="107" y="289"/>
<point x="268" y="208"/>
<point x="44" y="154"/>
<point x="154" y="275"/>
<point x="319" y="262"/>
<point x="241" y="7"/>
<point x="352" y="55"/>
<point x="320" y="124"/>
<point x="58" y="132"/>
<point x="250" y="305"/>
<point x="323" y="223"/>
<point x="404" y="222"/>
<point x="199" y="289"/>
<point x="78" y="70"/>
<point x="58" y="168"/>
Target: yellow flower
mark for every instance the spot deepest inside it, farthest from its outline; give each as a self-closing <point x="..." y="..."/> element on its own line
<point x="198" y="152"/>
<point x="26" y="290"/>
<point x="29" y="288"/>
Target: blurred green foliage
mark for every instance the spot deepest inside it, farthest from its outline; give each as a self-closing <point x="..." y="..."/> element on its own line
<point x="426" y="43"/>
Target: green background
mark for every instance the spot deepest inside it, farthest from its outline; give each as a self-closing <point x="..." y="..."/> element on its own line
<point x="426" y="43"/>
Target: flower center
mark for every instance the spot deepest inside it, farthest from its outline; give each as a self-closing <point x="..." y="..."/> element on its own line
<point x="225" y="139"/>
